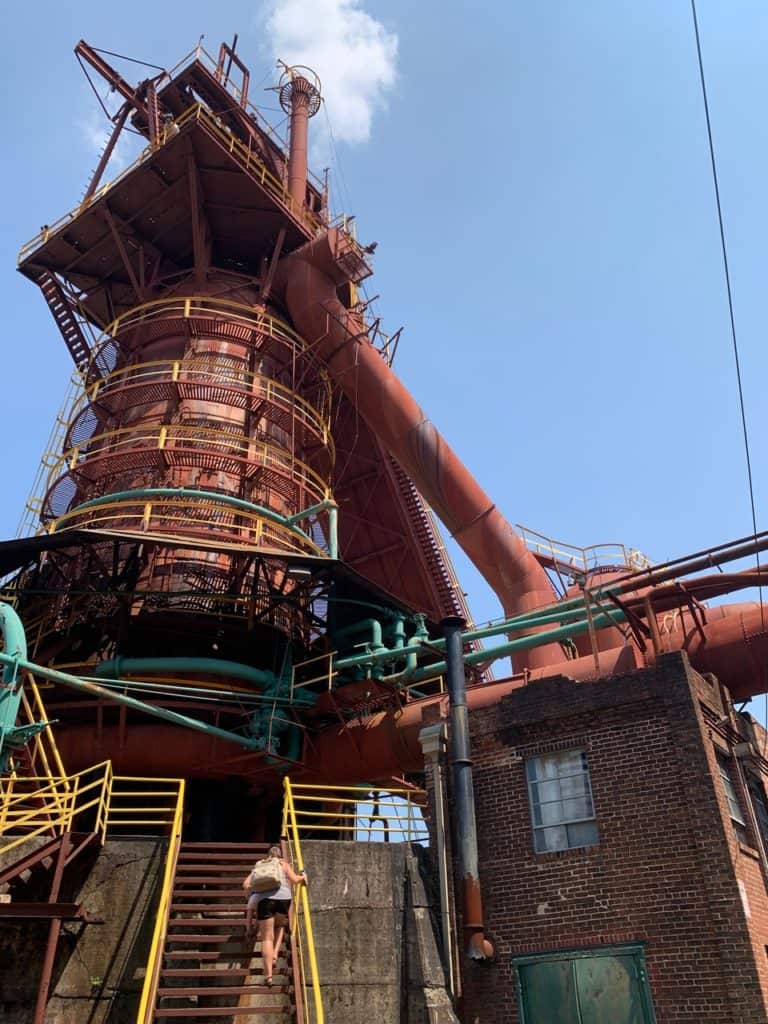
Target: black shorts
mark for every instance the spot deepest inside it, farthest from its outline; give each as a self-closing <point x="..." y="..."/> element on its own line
<point x="267" y="908"/>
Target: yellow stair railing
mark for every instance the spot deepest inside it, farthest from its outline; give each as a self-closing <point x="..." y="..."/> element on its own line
<point x="395" y="815"/>
<point x="155" y="960"/>
<point x="361" y="812"/>
<point x="49" y="802"/>
<point x="302" y="921"/>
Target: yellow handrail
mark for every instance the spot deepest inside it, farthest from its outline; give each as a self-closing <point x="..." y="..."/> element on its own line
<point x="189" y="307"/>
<point x="583" y="559"/>
<point x="228" y="380"/>
<point x="173" y="438"/>
<point x="152" y="975"/>
<point x="290" y="828"/>
<point x="191" y="516"/>
<point x="397" y="811"/>
<point x="49" y="804"/>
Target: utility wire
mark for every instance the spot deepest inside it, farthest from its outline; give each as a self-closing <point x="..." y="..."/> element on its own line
<point x="133" y="60"/>
<point x="729" y="291"/>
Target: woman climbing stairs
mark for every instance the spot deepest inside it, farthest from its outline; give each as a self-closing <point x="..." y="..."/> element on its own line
<point x="210" y="970"/>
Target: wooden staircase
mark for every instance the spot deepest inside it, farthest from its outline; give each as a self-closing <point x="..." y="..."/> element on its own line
<point x="210" y="970"/>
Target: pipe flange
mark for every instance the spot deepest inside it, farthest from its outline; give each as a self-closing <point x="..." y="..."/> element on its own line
<point x="299" y="80"/>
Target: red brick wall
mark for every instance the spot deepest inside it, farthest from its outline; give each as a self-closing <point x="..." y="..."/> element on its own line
<point x="665" y="870"/>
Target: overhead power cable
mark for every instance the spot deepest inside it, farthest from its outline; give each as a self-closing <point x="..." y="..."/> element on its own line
<point x="729" y="292"/>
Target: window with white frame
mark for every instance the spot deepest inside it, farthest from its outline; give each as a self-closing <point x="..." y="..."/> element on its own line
<point x="560" y="793"/>
<point x="734" y="807"/>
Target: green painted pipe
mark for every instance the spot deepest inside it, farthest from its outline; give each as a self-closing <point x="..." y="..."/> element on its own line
<point x="204" y="692"/>
<point x="372" y="625"/>
<point x="524" y="643"/>
<point x="14" y="640"/>
<point x="333" y="523"/>
<point x="119" y="698"/>
<point x="600" y="620"/>
<point x="117" y="667"/>
<point x="515" y="624"/>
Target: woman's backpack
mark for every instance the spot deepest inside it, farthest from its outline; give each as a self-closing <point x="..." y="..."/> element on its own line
<point x="266" y="875"/>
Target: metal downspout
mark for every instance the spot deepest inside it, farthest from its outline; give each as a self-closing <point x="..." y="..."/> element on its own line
<point x="477" y="946"/>
<point x="433" y="741"/>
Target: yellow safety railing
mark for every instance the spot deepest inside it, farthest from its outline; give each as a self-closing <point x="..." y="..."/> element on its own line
<point x="302" y="921"/>
<point x="154" y="963"/>
<point x="248" y="159"/>
<point x="234" y="386"/>
<point x="44" y="757"/>
<point x="314" y="670"/>
<point x="395" y="814"/>
<point x="192" y="307"/>
<point x="186" y="516"/>
<point x="30" y="516"/>
<point x="585" y="559"/>
<point x="95" y="801"/>
<point x="188" y="438"/>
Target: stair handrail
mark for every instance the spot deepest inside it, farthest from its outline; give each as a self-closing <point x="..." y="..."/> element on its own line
<point x="154" y="962"/>
<point x="290" y="829"/>
<point x="50" y="808"/>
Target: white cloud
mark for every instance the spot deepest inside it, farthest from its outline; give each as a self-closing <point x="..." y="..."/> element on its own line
<point x="353" y="54"/>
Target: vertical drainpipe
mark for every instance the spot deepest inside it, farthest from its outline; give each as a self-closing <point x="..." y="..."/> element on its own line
<point x="477" y="946"/>
<point x="432" y="739"/>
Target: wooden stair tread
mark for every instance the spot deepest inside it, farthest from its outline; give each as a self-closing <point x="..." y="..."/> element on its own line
<point x="211" y="894"/>
<point x="208" y="908"/>
<point x="217" y="1011"/>
<point x="210" y="922"/>
<point x="220" y="990"/>
<point x="207" y="972"/>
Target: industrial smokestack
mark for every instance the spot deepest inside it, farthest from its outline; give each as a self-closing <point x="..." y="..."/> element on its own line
<point x="300" y="99"/>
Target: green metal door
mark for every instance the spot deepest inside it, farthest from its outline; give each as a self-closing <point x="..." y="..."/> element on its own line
<point x="605" y="986"/>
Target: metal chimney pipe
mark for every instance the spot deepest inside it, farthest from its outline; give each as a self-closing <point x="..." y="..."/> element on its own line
<point x="300" y="98"/>
<point x="478" y="947"/>
<point x="297" y="153"/>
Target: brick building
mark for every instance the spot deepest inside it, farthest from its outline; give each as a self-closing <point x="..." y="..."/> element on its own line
<point x="622" y="829"/>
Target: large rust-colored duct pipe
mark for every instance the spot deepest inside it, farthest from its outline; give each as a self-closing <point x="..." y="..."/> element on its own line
<point x="339" y="336"/>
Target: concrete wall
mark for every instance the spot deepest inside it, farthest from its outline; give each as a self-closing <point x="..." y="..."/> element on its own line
<point x="98" y="971"/>
<point x="376" y="942"/>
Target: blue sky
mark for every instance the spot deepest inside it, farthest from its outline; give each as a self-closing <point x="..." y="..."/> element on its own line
<point x="538" y="180"/>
